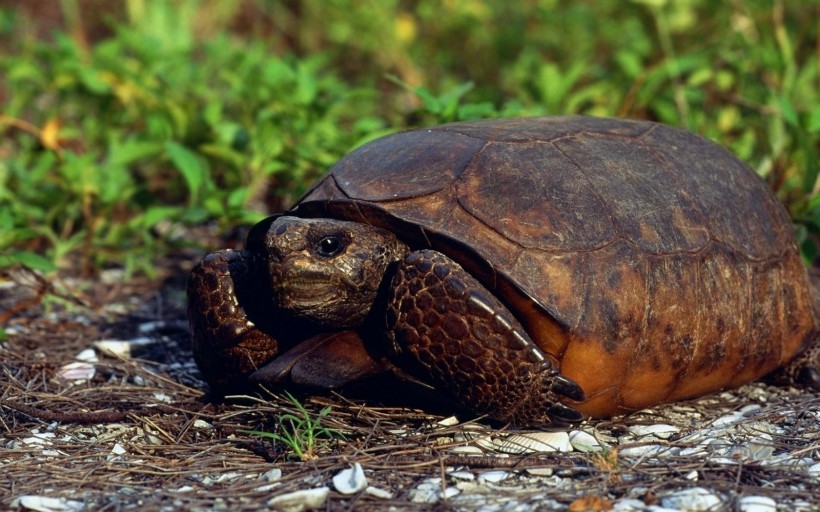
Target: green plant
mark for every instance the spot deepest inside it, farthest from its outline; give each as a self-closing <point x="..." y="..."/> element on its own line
<point x="196" y="111"/>
<point x="110" y="149"/>
<point x="302" y="433"/>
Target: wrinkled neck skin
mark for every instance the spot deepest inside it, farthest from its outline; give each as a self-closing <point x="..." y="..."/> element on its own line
<point x="330" y="272"/>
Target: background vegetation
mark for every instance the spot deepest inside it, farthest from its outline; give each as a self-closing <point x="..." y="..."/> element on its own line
<point x="122" y="123"/>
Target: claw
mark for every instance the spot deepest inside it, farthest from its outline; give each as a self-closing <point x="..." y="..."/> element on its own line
<point x="809" y="377"/>
<point x="565" y="413"/>
<point x="564" y="386"/>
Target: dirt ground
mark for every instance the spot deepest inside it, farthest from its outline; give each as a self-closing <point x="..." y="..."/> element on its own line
<point x="142" y="434"/>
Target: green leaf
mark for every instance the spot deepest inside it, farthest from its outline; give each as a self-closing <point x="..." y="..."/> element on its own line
<point x="630" y="63"/>
<point x="788" y="111"/>
<point x="813" y="124"/>
<point x="128" y="151"/>
<point x="224" y="153"/>
<point x="191" y="168"/>
<point x="307" y="86"/>
<point x="28" y="259"/>
<point x="237" y="198"/>
<point x="6" y="220"/>
<point x="156" y="214"/>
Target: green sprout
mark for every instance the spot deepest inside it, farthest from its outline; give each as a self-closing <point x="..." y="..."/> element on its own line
<point x="302" y="433"/>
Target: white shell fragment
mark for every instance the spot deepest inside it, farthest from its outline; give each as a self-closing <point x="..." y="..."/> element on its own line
<point x="660" y="431"/>
<point x="448" y="422"/>
<point x="517" y="443"/>
<point x="584" y="441"/>
<point x="88" y="355"/>
<point x="644" y="450"/>
<point x="39" y="438"/>
<point x="430" y="491"/>
<point x="46" y="504"/>
<point x="272" y="475"/>
<point x="757" y="504"/>
<point x="533" y="442"/>
<point x="467" y="450"/>
<point x="80" y="370"/>
<point x="814" y="471"/>
<point x="121" y="348"/>
<point x="494" y="476"/>
<point x="200" y="423"/>
<point x="77" y="371"/>
<point x="378" y="492"/>
<point x="695" y="499"/>
<point x="728" y="420"/>
<point x="297" y="501"/>
<point x="351" y="480"/>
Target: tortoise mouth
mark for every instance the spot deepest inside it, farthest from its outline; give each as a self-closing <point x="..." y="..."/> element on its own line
<point x="305" y="286"/>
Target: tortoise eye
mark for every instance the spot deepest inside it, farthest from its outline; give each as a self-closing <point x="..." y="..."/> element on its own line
<point x="329" y="246"/>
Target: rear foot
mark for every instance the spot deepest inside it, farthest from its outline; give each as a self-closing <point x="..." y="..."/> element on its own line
<point x="803" y="371"/>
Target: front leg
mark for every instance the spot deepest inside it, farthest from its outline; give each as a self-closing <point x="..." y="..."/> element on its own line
<point x="229" y="305"/>
<point x="464" y="341"/>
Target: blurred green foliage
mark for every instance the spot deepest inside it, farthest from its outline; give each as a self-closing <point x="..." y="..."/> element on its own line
<point x="120" y="125"/>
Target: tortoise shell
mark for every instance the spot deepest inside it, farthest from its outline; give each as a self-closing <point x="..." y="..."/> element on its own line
<point x="649" y="263"/>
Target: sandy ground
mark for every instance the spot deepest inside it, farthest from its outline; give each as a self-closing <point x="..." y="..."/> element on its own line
<point x="136" y="430"/>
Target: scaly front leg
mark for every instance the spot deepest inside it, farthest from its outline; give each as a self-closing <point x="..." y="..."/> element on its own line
<point x="463" y="341"/>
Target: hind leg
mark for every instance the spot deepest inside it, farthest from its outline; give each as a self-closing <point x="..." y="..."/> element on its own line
<point x="803" y="371"/>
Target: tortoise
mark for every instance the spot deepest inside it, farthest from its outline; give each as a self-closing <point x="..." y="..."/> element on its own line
<point x="533" y="270"/>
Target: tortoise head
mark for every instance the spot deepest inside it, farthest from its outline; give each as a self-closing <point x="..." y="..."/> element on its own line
<point x="328" y="271"/>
